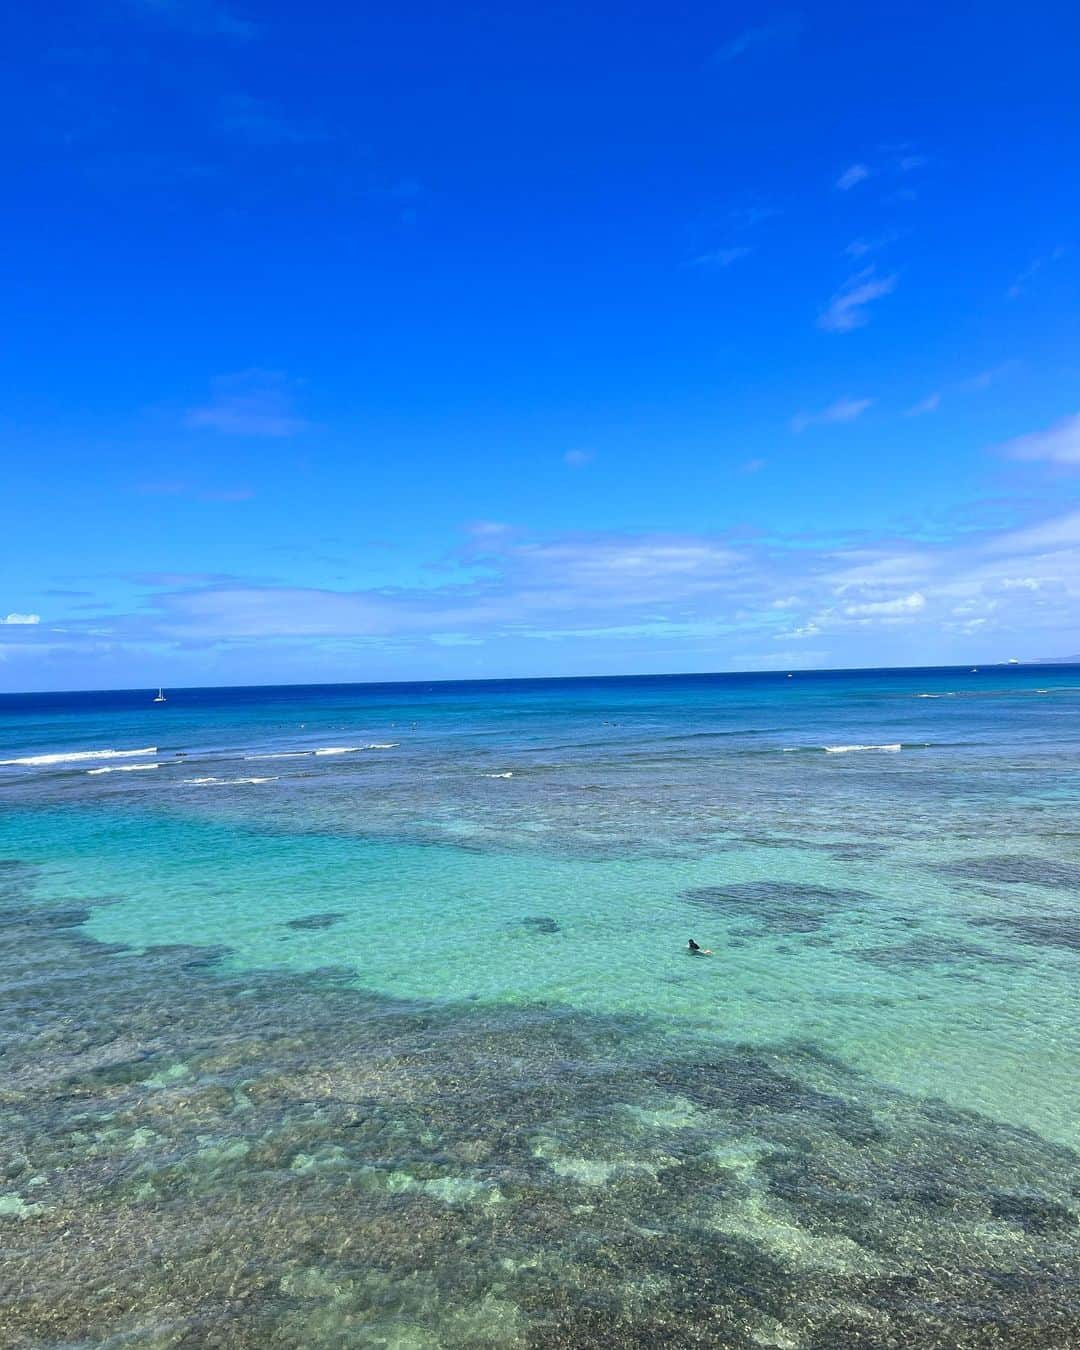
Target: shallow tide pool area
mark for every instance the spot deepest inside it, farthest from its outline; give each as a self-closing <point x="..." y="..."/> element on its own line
<point x="364" y="1016"/>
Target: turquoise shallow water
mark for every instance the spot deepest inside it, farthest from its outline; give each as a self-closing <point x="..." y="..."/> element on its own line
<point x="365" y="1016"/>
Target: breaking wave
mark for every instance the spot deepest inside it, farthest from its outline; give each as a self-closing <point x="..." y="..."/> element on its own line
<point x="77" y="756"/>
<point x="123" y="768"/>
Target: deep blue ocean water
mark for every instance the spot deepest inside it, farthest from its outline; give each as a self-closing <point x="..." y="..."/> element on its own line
<point x="363" y="1015"/>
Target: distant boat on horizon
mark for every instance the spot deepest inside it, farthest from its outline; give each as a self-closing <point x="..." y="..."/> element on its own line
<point x="161" y="697"/>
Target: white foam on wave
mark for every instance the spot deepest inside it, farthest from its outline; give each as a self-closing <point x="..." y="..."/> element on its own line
<point x="847" y="749"/>
<point x="354" y="749"/>
<point x="123" y="768"/>
<point x="323" y="750"/>
<point x="227" y="782"/>
<point x="76" y="756"/>
<point x="509" y="774"/>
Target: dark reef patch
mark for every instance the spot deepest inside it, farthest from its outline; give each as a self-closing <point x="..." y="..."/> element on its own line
<point x="42" y="916"/>
<point x="316" y="921"/>
<point x="1038" y="930"/>
<point x="928" y="950"/>
<point x="1034" y="1213"/>
<point x="780" y="906"/>
<point x="197" y="1156"/>
<point x="1014" y="870"/>
<point x="541" y="923"/>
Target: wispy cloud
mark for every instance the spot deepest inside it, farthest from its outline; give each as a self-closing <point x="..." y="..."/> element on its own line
<point x="843" y="410"/>
<point x="783" y="28"/>
<point x="859" y="248"/>
<point x="257" y="122"/>
<point x="929" y="404"/>
<point x="1058" y="444"/>
<point x="204" y="18"/>
<point x="746" y="217"/>
<point x="163" y="487"/>
<point x="238" y="494"/>
<point x="1031" y="271"/>
<point x="902" y="604"/>
<point x="577" y="459"/>
<point x="852" y="175"/>
<point x="1012" y="588"/>
<point x="249" y="403"/>
<point x="974" y="384"/>
<point x="985" y="378"/>
<point x="489" y="529"/>
<point x="21" y="620"/>
<point x="721" y="257"/>
<point x="847" y="309"/>
<point x="180" y="488"/>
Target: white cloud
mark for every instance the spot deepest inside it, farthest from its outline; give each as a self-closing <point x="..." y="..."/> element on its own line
<point x="929" y="404"/>
<point x="254" y="120"/>
<point x="18" y="619"/>
<point x="1060" y="532"/>
<point x="746" y="217"/>
<point x="843" y="410"/>
<point x="721" y="257"/>
<point x="250" y="403"/>
<point x="718" y="600"/>
<point x="784" y="27"/>
<point x="859" y="248"/>
<point x="985" y="378"/>
<point x="1059" y="444"/>
<point x="852" y="175"/>
<point x="202" y="17"/>
<point x="489" y="529"/>
<point x="904" y="604"/>
<point x="1032" y="270"/>
<point x="847" y="309"/>
<point x="577" y="459"/>
<point x="877" y="567"/>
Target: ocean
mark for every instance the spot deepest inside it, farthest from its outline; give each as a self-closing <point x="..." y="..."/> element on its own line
<point x="364" y="1015"/>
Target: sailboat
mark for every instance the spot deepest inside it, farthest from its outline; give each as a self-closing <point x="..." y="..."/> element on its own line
<point x="160" y="696"/>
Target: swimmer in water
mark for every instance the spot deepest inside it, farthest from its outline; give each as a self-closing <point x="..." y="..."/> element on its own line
<point x="695" y="950"/>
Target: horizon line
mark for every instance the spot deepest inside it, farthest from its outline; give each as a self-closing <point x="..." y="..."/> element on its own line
<point x="781" y="672"/>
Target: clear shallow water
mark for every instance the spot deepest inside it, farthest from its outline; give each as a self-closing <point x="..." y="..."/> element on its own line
<point x="399" y="1044"/>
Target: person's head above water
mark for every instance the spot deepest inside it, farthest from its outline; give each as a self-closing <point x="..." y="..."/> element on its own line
<point x="695" y="950"/>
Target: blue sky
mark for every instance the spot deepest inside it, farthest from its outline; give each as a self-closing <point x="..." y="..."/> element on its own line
<point x="347" y="342"/>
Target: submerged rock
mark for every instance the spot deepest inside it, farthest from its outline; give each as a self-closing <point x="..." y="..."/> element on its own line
<point x="315" y="921"/>
<point x="1014" y="870"/>
<point x="780" y="906"/>
<point x="541" y="923"/>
